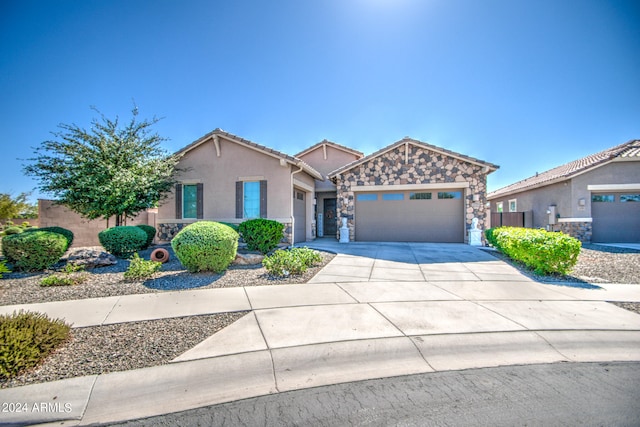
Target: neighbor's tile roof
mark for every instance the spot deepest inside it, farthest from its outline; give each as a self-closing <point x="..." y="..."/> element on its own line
<point x="406" y="139"/>
<point x="629" y="149"/>
<point x="331" y="144"/>
<point x="229" y="136"/>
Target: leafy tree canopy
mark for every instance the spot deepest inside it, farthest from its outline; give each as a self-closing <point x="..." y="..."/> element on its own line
<point x="17" y="207"/>
<point x="110" y="169"/>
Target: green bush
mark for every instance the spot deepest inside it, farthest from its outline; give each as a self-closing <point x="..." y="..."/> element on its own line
<point x="141" y="269"/>
<point x="543" y="251"/>
<point x="68" y="234"/>
<point x="206" y="246"/>
<point x="261" y="234"/>
<point x="283" y="263"/>
<point x="123" y="241"/>
<point x="150" y="231"/>
<point x="26" y="339"/>
<point x="229" y="224"/>
<point x="3" y="268"/>
<point x="13" y="230"/>
<point x="35" y="250"/>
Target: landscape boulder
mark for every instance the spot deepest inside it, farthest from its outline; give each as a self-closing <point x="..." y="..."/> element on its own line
<point x="91" y="258"/>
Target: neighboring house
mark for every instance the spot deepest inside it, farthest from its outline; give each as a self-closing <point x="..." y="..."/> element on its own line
<point x="227" y="178"/>
<point x="596" y="198"/>
<point x="408" y="191"/>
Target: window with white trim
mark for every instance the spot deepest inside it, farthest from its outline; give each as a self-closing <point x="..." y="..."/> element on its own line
<point x="513" y="205"/>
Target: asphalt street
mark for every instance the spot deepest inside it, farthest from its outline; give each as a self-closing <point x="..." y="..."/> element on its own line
<point x="561" y="394"/>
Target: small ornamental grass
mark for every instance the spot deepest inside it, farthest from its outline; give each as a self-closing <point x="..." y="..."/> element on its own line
<point x="69" y="276"/>
<point x="284" y="263"/>
<point x="543" y="251"/>
<point x="141" y="269"/>
<point x="26" y="338"/>
<point x="3" y="268"/>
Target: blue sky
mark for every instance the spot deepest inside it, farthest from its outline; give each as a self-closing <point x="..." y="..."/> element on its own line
<point x="527" y="85"/>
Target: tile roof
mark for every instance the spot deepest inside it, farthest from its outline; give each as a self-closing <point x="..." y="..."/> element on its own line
<point x="629" y="149"/>
<point x="331" y="144"/>
<point x="229" y="136"/>
<point x="406" y="139"/>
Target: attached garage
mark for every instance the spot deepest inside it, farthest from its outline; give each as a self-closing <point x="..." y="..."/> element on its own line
<point x="410" y="216"/>
<point x="616" y="217"/>
<point x="300" y="216"/>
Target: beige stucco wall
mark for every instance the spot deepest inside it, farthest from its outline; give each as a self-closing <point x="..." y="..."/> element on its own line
<point x="238" y="162"/>
<point x="85" y="232"/>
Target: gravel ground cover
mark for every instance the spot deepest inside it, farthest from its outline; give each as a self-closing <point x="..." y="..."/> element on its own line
<point x="22" y="288"/>
<point x="125" y="346"/>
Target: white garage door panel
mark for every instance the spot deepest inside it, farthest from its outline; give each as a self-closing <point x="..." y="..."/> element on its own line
<point x="406" y="220"/>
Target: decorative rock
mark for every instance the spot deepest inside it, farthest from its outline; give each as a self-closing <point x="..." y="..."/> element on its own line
<point x="90" y="258"/>
<point x="248" y="259"/>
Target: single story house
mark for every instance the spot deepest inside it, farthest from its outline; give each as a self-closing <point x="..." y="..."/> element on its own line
<point x="408" y="191"/>
<point x="595" y="198"/>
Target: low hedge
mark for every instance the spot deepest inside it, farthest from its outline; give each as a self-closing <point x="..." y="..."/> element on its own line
<point x="68" y="234"/>
<point x="206" y="246"/>
<point x="123" y="241"/>
<point x="34" y="250"/>
<point x="543" y="251"/>
<point x="150" y="231"/>
<point x="261" y="234"/>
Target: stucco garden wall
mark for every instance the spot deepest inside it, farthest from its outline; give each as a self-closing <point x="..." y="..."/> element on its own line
<point x="423" y="166"/>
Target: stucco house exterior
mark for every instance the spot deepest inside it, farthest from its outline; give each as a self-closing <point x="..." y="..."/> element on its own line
<point x="595" y="198"/>
<point x="407" y="191"/>
<point x="230" y="179"/>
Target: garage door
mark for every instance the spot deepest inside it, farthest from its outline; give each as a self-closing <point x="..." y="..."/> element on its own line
<point x="616" y="217"/>
<point x="410" y="216"/>
<point x="300" y="216"/>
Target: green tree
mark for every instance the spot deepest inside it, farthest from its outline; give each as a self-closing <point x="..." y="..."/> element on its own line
<point x="18" y="207"/>
<point x="109" y="170"/>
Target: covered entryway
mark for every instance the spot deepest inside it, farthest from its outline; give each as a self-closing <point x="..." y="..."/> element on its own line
<point x="616" y="217"/>
<point x="410" y="216"/>
<point x="300" y="216"/>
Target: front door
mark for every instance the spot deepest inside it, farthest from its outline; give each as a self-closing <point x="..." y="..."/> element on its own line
<point x="329" y="223"/>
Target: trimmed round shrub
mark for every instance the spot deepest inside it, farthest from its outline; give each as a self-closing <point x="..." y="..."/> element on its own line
<point x="150" y="231"/>
<point x="13" y="230"/>
<point x="261" y="234"/>
<point x="206" y="246"/>
<point x="68" y="234"/>
<point x="34" y="251"/>
<point x="123" y="241"/>
<point x="26" y="338"/>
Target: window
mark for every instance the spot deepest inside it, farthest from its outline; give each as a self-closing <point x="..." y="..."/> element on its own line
<point x="190" y="201"/>
<point x="624" y="198"/>
<point x="419" y="196"/>
<point x="299" y="195"/>
<point x="513" y="205"/>
<point x="251" y="200"/>
<point x="449" y="195"/>
<point x="500" y="207"/>
<point x="367" y="197"/>
<point x="606" y="198"/>
<point x="393" y="196"/>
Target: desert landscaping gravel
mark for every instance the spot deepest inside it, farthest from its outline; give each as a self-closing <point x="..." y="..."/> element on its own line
<point x="103" y="349"/>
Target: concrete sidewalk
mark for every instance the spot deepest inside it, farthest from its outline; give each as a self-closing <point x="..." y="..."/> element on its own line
<point x="376" y="310"/>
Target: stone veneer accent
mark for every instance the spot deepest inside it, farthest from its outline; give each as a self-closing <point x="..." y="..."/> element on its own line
<point x="424" y="166"/>
<point x="581" y="230"/>
<point x="167" y="231"/>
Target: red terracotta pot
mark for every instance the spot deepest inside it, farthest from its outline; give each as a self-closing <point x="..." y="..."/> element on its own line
<point x="160" y="254"/>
